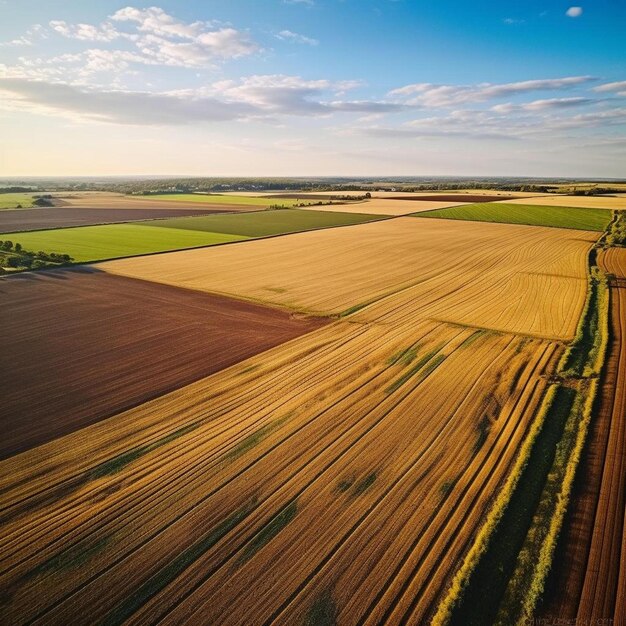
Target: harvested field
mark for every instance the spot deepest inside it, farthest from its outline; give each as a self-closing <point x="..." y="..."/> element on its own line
<point x="528" y="214"/>
<point x="504" y="277"/>
<point x="265" y="223"/>
<point x="80" y="345"/>
<point x="585" y="202"/>
<point x="382" y="206"/>
<point x="64" y="217"/>
<point x="92" y="243"/>
<point x="105" y="200"/>
<point x="302" y="483"/>
<point x="590" y="578"/>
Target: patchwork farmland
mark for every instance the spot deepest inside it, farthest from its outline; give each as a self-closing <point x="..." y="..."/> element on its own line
<point x="348" y="414"/>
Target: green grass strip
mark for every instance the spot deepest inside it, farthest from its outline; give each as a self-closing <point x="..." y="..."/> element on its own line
<point x="109" y="241"/>
<point x="264" y="223"/>
<point x="269" y="531"/>
<point x="427" y="364"/>
<point x="527" y="214"/>
<point x="489" y="578"/>
<point x="172" y="570"/>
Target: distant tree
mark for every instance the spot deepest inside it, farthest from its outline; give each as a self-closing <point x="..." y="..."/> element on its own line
<point x="368" y="195"/>
<point x="18" y="247"/>
<point x="7" y="245"/>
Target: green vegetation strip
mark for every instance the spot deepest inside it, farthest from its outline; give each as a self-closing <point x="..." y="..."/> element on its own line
<point x="269" y="531"/>
<point x="96" y="243"/>
<point x="16" y="200"/>
<point x="265" y="223"/>
<point x="510" y="559"/>
<point x="527" y="214"/>
<point x="496" y="561"/>
<point x="172" y="570"/>
<point x="427" y="364"/>
<point x="616" y="235"/>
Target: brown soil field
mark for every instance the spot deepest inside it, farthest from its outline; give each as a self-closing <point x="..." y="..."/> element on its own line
<point x="590" y="202"/>
<point x="522" y="279"/>
<point x="79" y="346"/>
<point x="382" y="206"/>
<point x="66" y="216"/>
<point x="590" y="574"/>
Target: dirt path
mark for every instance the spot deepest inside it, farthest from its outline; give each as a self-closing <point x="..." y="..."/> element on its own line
<point x="591" y="559"/>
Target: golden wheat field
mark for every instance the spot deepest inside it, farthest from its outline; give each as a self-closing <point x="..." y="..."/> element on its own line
<point x="467" y="273"/>
<point x="313" y="474"/>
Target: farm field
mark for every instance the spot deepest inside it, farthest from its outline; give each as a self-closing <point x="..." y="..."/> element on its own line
<point x="585" y="202"/>
<point x="66" y="216"/>
<point x="281" y="487"/>
<point x="528" y="214"/>
<point x="246" y="200"/>
<point x="383" y="206"/>
<point x="134" y="340"/>
<point x="11" y="200"/>
<point x="466" y="273"/>
<point x="91" y="243"/>
<point x="109" y="200"/>
<point x="266" y="223"/>
<point x="590" y="576"/>
<point x="274" y="476"/>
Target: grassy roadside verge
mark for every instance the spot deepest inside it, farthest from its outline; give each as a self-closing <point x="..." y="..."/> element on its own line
<point x="512" y="554"/>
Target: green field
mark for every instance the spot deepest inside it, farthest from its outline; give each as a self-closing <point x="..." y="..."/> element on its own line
<point x="264" y="223"/>
<point x="95" y="243"/>
<point x="11" y="200"/>
<point x="528" y="214"/>
<point x="235" y="200"/>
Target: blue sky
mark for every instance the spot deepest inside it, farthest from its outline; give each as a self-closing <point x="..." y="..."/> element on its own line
<point x="306" y="87"/>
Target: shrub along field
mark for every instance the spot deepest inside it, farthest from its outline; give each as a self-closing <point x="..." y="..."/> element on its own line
<point x="528" y="214"/>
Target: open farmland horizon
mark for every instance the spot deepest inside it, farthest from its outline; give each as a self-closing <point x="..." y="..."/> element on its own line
<point x="312" y="313"/>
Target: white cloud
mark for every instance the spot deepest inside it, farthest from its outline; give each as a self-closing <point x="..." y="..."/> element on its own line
<point x="291" y="37"/>
<point x="512" y="20"/>
<point x="37" y="31"/>
<point x="542" y="105"/>
<point x="85" y="32"/>
<point x="19" y="41"/>
<point x="574" y="12"/>
<point x="430" y="95"/>
<point x="254" y="97"/>
<point x="618" y="87"/>
<point x="162" y="39"/>
<point x="121" y="107"/>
